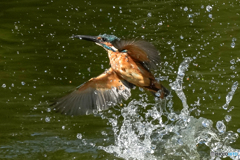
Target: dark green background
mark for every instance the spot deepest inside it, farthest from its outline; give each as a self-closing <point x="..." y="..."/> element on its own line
<point x="38" y="60"/>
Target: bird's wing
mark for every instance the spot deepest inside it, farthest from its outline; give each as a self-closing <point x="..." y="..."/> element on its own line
<point x="140" y="51"/>
<point x="97" y="94"/>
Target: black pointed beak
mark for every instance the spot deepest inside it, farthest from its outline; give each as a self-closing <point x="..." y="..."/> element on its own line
<point x="88" y="38"/>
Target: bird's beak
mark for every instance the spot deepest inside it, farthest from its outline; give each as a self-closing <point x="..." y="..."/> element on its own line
<point x="88" y="38"/>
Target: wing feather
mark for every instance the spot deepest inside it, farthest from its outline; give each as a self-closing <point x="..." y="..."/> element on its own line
<point x="141" y="51"/>
<point x="96" y="94"/>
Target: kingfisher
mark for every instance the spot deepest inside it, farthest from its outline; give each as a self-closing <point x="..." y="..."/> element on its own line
<point x="131" y="62"/>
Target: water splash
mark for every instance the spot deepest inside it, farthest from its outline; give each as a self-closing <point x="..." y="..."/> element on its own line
<point x="230" y="95"/>
<point x="177" y="84"/>
<point x="161" y="133"/>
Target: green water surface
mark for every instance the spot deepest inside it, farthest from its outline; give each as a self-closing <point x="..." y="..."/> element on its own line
<point x="39" y="62"/>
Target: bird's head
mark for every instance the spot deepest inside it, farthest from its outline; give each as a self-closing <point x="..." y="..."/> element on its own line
<point x="104" y="40"/>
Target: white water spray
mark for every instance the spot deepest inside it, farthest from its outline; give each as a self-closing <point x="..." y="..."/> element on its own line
<point x="178" y="137"/>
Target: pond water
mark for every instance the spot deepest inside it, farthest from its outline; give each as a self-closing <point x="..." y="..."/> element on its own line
<point x="200" y="64"/>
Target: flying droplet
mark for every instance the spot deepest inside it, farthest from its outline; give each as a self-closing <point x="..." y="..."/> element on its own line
<point x="228" y="118"/>
<point x="160" y="23"/>
<point x="232" y="61"/>
<point x="234" y="39"/>
<point x="233" y="44"/>
<point x="4" y="85"/>
<point x="238" y="130"/>
<point x="79" y="136"/>
<point x="221" y="126"/>
<point x="47" y="119"/>
<point x="149" y="14"/>
<point x="209" y="8"/>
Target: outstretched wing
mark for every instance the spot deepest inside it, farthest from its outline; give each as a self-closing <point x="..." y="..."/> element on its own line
<point x="97" y="94"/>
<point x="140" y="51"/>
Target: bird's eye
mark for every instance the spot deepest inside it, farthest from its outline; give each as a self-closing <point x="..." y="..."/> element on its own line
<point x="104" y="39"/>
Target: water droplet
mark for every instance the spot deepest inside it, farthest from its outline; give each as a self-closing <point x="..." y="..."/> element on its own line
<point x="238" y="130"/>
<point x="4" y="85"/>
<point x="190" y="16"/>
<point x="47" y="119"/>
<point x="149" y="14"/>
<point x="228" y="118"/>
<point x="79" y="136"/>
<point x="185" y="9"/>
<point x="63" y="127"/>
<point x="210" y="15"/>
<point x="230" y="95"/>
<point x="181" y="37"/>
<point x="48" y="109"/>
<point x="231" y="108"/>
<point x="225" y="106"/>
<point x="232" y="61"/>
<point x="234" y="39"/>
<point x="232" y="68"/>
<point x="104" y="133"/>
<point x="157" y="94"/>
<point x="169" y="42"/>
<point x="89" y="69"/>
<point x="233" y="44"/>
<point x="160" y="23"/>
<point x="23" y="83"/>
<point x="141" y="89"/>
<point x="209" y="8"/>
<point x="221" y="126"/>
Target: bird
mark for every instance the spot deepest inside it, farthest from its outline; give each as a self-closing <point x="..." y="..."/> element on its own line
<point x="131" y="62"/>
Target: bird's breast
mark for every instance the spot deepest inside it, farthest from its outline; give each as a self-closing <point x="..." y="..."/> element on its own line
<point x="128" y="69"/>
